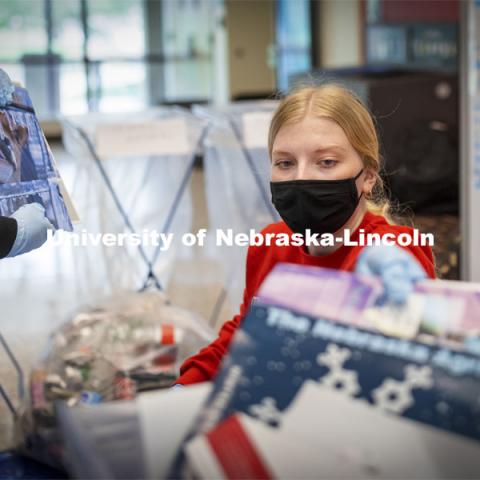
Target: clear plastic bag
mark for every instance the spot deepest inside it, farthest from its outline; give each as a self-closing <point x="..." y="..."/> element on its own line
<point x="237" y="176"/>
<point x="129" y="344"/>
<point x="146" y="187"/>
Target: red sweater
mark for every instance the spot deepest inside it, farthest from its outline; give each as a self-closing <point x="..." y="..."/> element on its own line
<point x="261" y="259"/>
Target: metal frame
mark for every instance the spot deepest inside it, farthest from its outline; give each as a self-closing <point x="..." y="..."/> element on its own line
<point x="469" y="145"/>
<point x="20" y="378"/>
<point x="151" y="279"/>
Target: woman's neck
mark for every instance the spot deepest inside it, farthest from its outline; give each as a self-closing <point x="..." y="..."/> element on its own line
<point x="352" y="224"/>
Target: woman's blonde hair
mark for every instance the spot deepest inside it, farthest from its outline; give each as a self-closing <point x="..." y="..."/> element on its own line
<point x="344" y="107"/>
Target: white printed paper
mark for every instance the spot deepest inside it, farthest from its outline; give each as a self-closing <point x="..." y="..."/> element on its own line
<point x="370" y="441"/>
<point x="154" y="137"/>
<point x="165" y="417"/>
<point x="255" y="129"/>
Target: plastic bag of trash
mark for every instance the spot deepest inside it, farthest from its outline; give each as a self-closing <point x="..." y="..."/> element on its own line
<point x="129" y="344"/>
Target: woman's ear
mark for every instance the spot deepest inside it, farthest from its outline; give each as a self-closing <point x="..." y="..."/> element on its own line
<point x="369" y="180"/>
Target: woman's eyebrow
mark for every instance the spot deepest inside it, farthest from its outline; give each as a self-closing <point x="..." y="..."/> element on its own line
<point x="280" y="152"/>
<point x="329" y="148"/>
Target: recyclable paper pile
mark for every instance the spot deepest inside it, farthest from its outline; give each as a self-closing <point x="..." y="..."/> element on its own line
<point x="326" y="380"/>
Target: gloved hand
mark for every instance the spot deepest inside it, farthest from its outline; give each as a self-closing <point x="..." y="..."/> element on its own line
<point x="32" y="228"/>
<point x="398" y="270"/>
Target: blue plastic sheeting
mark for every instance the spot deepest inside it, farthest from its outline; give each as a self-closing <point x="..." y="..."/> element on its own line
<point x="27" y="170"/>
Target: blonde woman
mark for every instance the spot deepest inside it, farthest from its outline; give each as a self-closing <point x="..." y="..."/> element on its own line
<point x="325" y="166"/>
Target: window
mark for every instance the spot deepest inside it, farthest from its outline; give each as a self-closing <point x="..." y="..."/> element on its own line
<point x="293" y="52"/>
<point x="188" y="67"/>
<point x="76" y="56"/>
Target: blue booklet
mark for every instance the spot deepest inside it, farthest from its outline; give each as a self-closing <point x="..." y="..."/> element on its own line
<point x="27" y="170"/>
<point x="304" y="396"/>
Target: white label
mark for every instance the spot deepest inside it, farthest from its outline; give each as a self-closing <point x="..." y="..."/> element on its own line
<point x="156" y="137"/>
<point x="165" y="418"/>
<point x="255" y="129"/>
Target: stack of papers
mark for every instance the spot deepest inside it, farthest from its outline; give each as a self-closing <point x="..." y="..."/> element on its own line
<point x="326" y="380"/>
<point x="323" y="379"/>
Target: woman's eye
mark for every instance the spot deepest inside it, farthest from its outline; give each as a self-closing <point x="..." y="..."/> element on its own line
<point x="328" y="163"/>
<point x="283" y="164"/>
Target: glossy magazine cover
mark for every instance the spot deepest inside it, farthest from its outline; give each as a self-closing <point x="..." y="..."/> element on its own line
<point x="27" y="169"/>
<point x="304" y="396"/>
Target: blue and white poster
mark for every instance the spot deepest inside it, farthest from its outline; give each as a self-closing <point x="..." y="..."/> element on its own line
<point x="27" y="169"/>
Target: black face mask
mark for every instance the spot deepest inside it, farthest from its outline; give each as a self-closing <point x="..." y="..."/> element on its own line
<point x="323" y="206"/>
